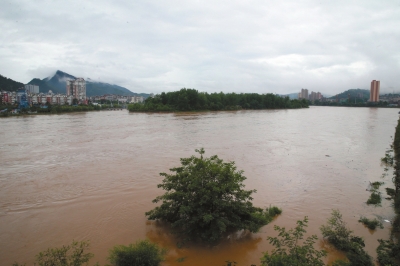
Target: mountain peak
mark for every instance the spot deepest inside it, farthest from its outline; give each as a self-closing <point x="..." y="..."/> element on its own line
<point x="62" y="75"/>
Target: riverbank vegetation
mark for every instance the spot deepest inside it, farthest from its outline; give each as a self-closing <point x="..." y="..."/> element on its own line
<point x="205" y="200"/>
<point x="353" y="103"/>
<point x="7" y="110"/>
<point x="389" y="250"/>
<point x="192" y="100"/>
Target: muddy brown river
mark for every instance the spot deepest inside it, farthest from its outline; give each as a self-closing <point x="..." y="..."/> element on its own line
<point x="92" y="176"/>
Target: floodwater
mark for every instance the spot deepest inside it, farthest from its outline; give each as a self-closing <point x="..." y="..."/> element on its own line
<point x="92" y="176"/>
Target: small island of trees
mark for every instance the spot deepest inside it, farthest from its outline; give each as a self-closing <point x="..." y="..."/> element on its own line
<point x="192" y="100"/>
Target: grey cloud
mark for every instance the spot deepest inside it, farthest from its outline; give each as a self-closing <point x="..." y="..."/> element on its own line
<point x="154" y="46"/>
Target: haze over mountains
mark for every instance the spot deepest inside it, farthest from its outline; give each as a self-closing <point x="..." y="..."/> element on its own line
<point x="56" y="83"/>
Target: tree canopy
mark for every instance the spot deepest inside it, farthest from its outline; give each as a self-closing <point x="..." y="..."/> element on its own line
<point x="192" y="100"/>
<point x="205" y="199"/>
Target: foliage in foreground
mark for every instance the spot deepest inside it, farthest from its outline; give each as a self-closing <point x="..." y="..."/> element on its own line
<point x="72" y="255"/>
<point x="142" y="253"/>
<point x="388" y="253"/>
<point x="205" y="199"/>
<point x="289" y="251"/>
<point x="340" y="237"/>
<point x="371" y="224"/>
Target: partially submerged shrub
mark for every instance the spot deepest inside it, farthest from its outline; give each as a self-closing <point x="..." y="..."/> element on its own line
<point x="142" y="253"/>
<point x="377" y="184"/>
<point x="271" y="212"/>
<point x="374" y="199"/>
<point x="291" y="250"/>
<point x="371" y="224"/>
<point x="274" y="211"/>
<point x="337" y="234"/>
<point x="389" y="158"/>
<point x="391" y="192"/>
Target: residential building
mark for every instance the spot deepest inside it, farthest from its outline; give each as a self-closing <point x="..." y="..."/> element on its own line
<point x="32" y="88"/>
<point x="77" y="89"/>
<point x="303" y="94"/>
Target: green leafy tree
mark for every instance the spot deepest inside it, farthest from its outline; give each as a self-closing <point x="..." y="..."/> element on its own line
<point x="205" y="199"/>
<point x="142" y="253"/>
<point x="290" y="251"/>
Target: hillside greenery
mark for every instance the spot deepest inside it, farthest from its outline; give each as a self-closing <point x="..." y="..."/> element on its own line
<point x="7" y="84"/>
<point x="192" y="100"/>
<point x="44" y="87"/>
<point x="353" y="94"/>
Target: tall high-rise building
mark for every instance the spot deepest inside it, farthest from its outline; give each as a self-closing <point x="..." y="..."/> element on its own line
<point x="303" y="94"/>
<point x="77" y="88"/>
<point x="374" y="92"/>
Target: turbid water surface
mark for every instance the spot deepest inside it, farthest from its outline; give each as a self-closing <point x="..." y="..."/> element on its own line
<point x="92" y="176"/>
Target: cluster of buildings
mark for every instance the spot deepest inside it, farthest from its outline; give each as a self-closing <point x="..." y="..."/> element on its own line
<point x="118" y="98"/>
<point x="75" y="93"/>
<point x="374" y="93"/>
<point x="313" y="96"/>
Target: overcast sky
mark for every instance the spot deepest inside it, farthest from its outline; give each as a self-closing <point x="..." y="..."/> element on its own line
<point x="230" y="46"/>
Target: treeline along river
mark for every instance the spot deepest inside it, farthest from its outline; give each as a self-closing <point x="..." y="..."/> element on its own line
<point x="92" y="176"/>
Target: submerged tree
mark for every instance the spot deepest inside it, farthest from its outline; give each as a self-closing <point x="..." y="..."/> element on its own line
<point x="205" y="199"/>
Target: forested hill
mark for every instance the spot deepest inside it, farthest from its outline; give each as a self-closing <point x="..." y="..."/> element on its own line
<point x="7" y="84"/>
<point x="44" y="87"/>
<point x="192" y="100"/>
<point x="353" y="93"/>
